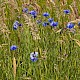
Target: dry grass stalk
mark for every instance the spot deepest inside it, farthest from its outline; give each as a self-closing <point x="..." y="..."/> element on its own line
<point x="4" y="28"/>
<point x="14" y="67"/>
<point x="33" y="27"/>
<point x="51" y="1"/>
<point x="75" y="21"/>
<point x="72" y="16"/>
<point x="63" y="2"/>
<point x="75" y="9"/>
<point x="31" y="1"/>
<point x="77" y="42"/>
<point x="34" y="5"/>
<point x="13" y="4"/>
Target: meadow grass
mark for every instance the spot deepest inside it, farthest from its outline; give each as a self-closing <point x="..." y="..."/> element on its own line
<point x="59" y="48"/>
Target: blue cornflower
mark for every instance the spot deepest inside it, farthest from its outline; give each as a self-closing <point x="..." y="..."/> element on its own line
<point x="33" y="56"/>
<point x="45" y="24"/>
<point x="13" y="47"/>
<point x="78" y="23"/>
<point x="15" y="25"/>
<point x="25" y="10"/>
<point x="34" y="59"/>
<point x="70" y="25"/>
<point x="50" y="20"/>
<point x="20" y="24"/>
<point x="33" y="13"/>
<point x="45" y="14"/>
<point x="67" y="11"/>
<point x="53" y="24"/>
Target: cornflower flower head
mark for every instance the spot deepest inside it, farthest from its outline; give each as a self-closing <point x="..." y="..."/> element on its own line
<point x="15" y="25"/>
<point x="70" y="25"/>
<point x="46" y="14"/>
<point x="33" y="56"/>
<point x="33" y="13"/>
<point x="20" y="24"/>
<point x="13" y="47"/>
<point x="54" y="24"/>
<point x="67" y="11"/>
<point x="25" y="10"/>
<point x="50" y="20"/>
<point x="45" y="24"/>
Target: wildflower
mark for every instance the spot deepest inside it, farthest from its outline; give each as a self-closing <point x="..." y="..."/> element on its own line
<point x="78" y="23"/>
<point x="70" y="25"/>
<point x="53" y="24"/>
<point x="45" y="24"/>
<point x="45" y="14"/>
<point x="20" y="24"/>
<point x="13" y="47"/>
<point x="33" y="13"/>
<point x="25" y="10"/>
<point x="16" y="24"/>
<point x="50" y="20"/>
<point x="33" y="56"/>
<point x="67" y="11"/>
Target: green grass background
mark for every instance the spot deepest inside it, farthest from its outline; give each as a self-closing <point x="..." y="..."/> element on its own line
<point x="59" y="53"/>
